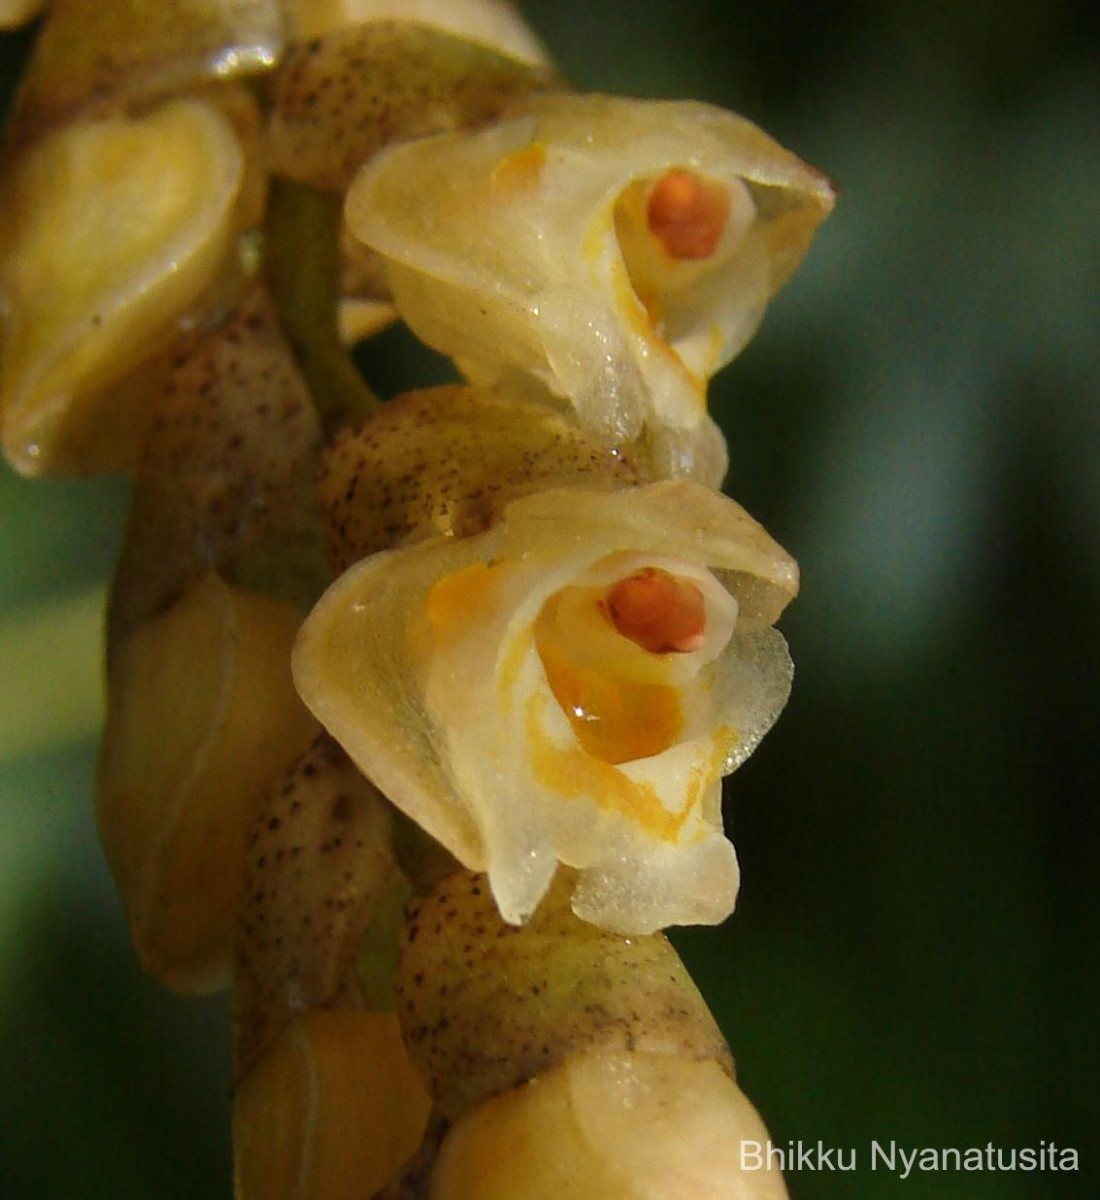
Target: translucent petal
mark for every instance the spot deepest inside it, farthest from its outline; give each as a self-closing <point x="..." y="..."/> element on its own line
<point x="532" y="246"/>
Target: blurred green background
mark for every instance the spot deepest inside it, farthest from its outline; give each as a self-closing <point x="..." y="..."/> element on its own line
<point x="914" y="953"/>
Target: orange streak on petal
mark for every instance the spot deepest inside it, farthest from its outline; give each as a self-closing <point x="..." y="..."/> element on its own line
<point x="458" y="599"/>
<point x="575" y="775"/>
<point x="521" y="170"/>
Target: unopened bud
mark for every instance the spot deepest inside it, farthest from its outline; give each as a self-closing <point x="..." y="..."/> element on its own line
<point x="320" y="866"/>
<point x="202" y="718"/>
<point x="114" y="232"/>
<point x="486" y="1006"/>
<point x="493" y="23"/>
<point x="444" y="462"/>
<point x="226" y="478"/>
<point x="622" y="1126"/>
<point x="99" y="56"/>
<point x="339" y="99"/>
<point x="331" y="1112"/>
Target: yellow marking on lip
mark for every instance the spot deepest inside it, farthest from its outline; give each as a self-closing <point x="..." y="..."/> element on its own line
<point x="642" y="316"/>
<point x="575" y="775"/>
<point x="614" y="720"/>
<point x="617" y="713"/>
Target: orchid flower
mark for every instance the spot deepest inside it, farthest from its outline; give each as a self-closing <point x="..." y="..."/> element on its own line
<point x="615" y="252"/>
<point x="569" y="686"/>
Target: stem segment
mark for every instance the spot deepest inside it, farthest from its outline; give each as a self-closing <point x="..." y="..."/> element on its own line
<point x="303" y="262"/>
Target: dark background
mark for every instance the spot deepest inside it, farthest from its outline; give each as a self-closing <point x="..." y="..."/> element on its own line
<point x="914" y="953"/>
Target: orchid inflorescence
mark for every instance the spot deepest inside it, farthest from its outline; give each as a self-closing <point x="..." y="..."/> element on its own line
<point x="418" y="710"/>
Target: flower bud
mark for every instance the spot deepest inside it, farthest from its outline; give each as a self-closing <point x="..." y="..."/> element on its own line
<point x="331" y="1112"/>
<point x="101" y="55"/>
<point x="226" y="477"/>
<point x="485" y="1006"/>
<point x="622" y="1126"/>
<point x="202" y="718"/>
<point x="444" y="462"/>
<point x="338" y="99"/>
<point x="320" y="863"/>
<point x="114" y="233"/>
<point x="14" y="13"/>
<point x="493" y="23"/>
<point x="617" y="251"/>
<point x="501" y="691"/>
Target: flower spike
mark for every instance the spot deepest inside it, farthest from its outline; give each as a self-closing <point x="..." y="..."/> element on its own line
<point x="429" y="833"/>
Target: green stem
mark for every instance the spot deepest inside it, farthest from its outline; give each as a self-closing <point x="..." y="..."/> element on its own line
<point x="423" y="861"/>
<point x="303" y="262"/>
